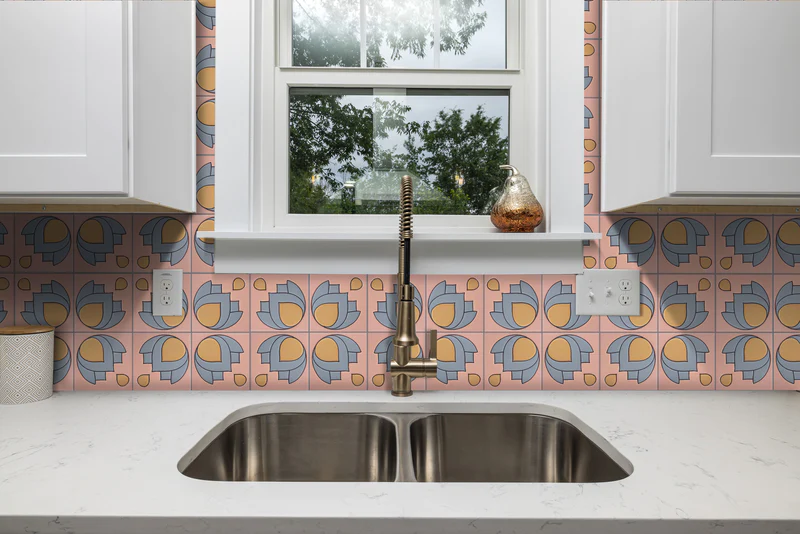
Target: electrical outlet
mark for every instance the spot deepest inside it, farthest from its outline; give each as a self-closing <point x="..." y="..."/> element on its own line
<point x="167" y="292"/>
<point x="607" y="292"/>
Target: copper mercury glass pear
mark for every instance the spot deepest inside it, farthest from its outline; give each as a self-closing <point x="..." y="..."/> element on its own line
<point x="517" y="209"/>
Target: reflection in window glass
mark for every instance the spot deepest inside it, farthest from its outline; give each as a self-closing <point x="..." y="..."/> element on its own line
<point x="326" y="33"/>
<point x="467" y="34"/>
<point x="486" y="27"/>
<point x="349" y="148"/>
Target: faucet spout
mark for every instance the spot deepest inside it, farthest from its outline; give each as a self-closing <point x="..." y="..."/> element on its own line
<point x="404" y="365"/>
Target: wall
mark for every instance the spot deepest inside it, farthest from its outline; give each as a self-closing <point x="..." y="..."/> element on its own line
<point x="719" y="299"/>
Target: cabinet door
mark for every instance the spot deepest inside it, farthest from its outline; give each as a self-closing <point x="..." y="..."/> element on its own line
<point x="737" y="114"/>
<point x="63" y="125"/>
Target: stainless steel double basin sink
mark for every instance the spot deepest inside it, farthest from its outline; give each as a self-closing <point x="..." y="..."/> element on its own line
<point x="342" y="446"/>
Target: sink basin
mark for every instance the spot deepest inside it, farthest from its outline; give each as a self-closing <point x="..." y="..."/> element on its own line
<point x="301" y="447"/>
<point x="506" y="448"/>
<point x="304" y="442"/>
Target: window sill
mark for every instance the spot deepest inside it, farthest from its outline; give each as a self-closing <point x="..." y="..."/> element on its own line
<point x="309" y="250"/>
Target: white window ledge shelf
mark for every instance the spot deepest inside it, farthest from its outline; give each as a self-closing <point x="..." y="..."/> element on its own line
<point x="472" y="251"/>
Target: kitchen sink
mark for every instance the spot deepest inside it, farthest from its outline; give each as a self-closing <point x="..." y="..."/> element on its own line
<point x="506" y="448"/>
<point x="313" y="443"/>
<point x="293" y="447"/>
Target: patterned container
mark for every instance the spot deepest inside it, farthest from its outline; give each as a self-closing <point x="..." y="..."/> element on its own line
<point x="26" y="364"/>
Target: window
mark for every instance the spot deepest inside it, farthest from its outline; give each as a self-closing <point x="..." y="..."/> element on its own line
<point x="324" y="104"/>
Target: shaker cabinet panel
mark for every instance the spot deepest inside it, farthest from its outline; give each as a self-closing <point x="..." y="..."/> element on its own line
<point x="737" y="115"/>
<point x="709" y="113"/>
<point x="63" y="124"/>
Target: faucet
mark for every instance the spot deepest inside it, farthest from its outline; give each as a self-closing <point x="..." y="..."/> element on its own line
<point x="403" y="366"/>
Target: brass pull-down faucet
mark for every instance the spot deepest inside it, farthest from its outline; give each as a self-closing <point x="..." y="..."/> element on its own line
<point x="403" y="367"/>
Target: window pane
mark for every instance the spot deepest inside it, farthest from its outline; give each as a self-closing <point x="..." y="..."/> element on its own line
<point x="473" y="34"/>
<point x="349" y="148"/>
<point x="400" y="33"/>
<point x="326" y="33"/>
<point x="468" y="34"/>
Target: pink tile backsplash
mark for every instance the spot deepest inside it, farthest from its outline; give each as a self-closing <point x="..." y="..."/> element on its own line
<point x="720" y="298"/>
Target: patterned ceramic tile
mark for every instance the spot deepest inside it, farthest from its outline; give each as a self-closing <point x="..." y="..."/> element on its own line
<point x="513" y="360"/>
<point x="382" y="300"/>
<point x="786" y="315"/>
<point x="571" y="361"/>
<point x="646" y="320"/>
<point x="591" y="186"/>
<point x="743" y="303"/>
<point x="104" y="243"/>
<point x="143" y="318"/>
<point x="629" y="242"/>
<point x="786" y="252"/>
<point x="64" y="361"/>
<point x="744" y="244"/>
<point x="558" y="307"/>
<point x="103" y="361"/>
<point x="43" y="243"/>
<point x="6" y="243"/>
<point x="163" y="361"/>
<point x="591" y="248"/>
<point x="591" y="68"/>
<point x="41" y="299"/>
<point x="591" y="126"/>
<point x="686" y="361"/>
<point x="103" y="303"/>
<point x="744" y="361"/>
<point x="787" y="362"/>
<point x="338" y="303"/>
<point x="280" y="360"/>
<point x="7" y="300"/>
<point x="279" y="303"/>
<point x="513" y="304"/>
<point x="205" y="183"/>
<point x="162" y="242"/>
<point x="220" y="361"/>
<point x="686" y="303"/>
<point x="338" y="360"/>
<point x="592" y="27"/>
<point x="455" y="303"/>
<point x="460" y="362"/>
<point x="206" y="134"/>
<point x="686" y="244"/>
<point x="202" y="247"/>
<point x="221" y="303"/>
<point x="206" y="18"/>
<point x="628" y="361"/>
<point x="205" y="66"/>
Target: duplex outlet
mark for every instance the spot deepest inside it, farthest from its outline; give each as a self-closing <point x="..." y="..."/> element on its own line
<point x="167" y="292"/>
<point x="607" y="292"/>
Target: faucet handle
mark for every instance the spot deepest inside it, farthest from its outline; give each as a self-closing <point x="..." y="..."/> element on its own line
<point x="433" y="338"/>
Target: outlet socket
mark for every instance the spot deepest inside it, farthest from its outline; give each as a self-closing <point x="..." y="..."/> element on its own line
<point x="607" y="292"/>
<point x="167" y="292"/>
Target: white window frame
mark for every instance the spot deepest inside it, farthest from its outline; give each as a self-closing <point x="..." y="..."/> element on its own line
<point x="545" y="60"/>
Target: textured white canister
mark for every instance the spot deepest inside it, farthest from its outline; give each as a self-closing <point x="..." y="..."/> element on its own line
<point x="26" y="364"/>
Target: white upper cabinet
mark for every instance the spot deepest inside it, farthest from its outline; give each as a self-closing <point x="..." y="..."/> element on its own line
<point x="700" y="103"/>
<point x="97" y="103"/>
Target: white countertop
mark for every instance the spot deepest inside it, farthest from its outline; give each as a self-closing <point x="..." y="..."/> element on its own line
<point x="106" y="462"/>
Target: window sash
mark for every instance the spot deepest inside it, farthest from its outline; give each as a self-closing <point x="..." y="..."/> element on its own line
<point x="513" y="32"/>
<point x="521" y="153"/>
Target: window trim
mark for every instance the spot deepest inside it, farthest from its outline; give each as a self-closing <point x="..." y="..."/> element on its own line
<point x="549" y="84"/>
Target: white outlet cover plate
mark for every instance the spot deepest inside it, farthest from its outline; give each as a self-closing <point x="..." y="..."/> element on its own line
<point x="598" y="292"/>
<point x="172" y="278"/>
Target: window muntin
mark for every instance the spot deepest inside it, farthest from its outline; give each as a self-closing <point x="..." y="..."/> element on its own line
<point x="349" y="147"/>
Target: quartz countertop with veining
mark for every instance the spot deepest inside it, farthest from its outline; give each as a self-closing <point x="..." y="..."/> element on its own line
<point x="107" y="462"/>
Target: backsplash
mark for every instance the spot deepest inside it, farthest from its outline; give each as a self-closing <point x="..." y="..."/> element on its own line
<point x="720" y="299"/>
